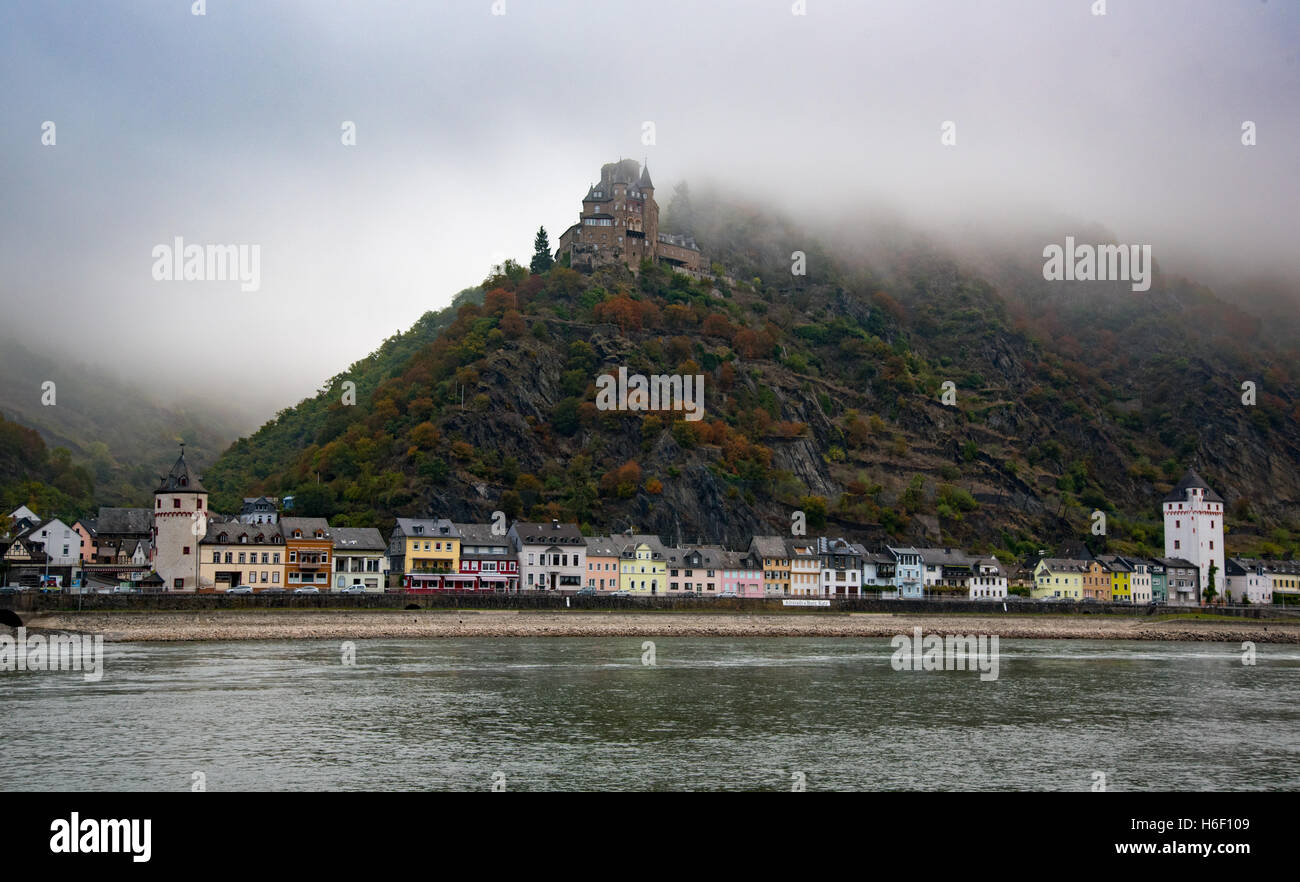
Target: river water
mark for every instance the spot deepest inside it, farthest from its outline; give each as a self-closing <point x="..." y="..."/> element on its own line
<point x="711" y="714"/>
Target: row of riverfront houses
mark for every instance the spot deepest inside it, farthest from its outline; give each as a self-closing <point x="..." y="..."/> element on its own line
<point x="180" y="545"/>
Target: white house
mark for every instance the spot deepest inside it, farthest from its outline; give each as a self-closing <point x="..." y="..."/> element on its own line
<point x="841" y="567"/>
<point x="988" y="581"/>
<point x="1247" y="580"/>
<point x="61" y="542"/>
<point x="1139" y="580"/>
<point x="360" y="558"/>
<point x="552" y="557"/>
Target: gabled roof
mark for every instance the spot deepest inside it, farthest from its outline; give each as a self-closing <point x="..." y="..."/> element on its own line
<point x="1065" y="564"/>
<point x="123" y="520"/>
<point x="769" y="546"/>
<point x="945" y="557"/>
<point x="603" y="546"/>
<point x="480" y="534"/>
<point x="1190" y="481"/>
<point x="357" y="539"/>
<point x="308" y="527"/>
<point x="553" y="533"/>
<point x="233" y="530"/>
<point x="428" y="528"/>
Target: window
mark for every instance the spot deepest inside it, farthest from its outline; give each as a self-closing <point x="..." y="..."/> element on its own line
<point x="185" y="550"/>
<point x="275" y="576"/>
<point x="176" y="503"/>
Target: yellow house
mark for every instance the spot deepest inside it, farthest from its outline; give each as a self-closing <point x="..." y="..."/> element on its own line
<point x="772" y="551"/>
<point x="1121" y="574"/>
<point x="642" y="570"/>
<point x="426" y="552"/>
<point x="1059" y="578"/>
<point x="233" y="554"/>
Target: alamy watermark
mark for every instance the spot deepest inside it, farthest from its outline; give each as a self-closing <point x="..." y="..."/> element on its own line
<point x="55" y="652"/>
<point x="179" y="262"/>
<point x="1098" y="263"/>
<point x="955" y="652"/>
<point x="656" y="392"/>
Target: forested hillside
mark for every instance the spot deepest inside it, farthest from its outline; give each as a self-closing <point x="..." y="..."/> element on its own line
<point x="823" y="394"/>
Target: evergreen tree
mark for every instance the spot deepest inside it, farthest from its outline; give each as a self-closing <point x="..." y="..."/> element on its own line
<point x="543" y="260"/>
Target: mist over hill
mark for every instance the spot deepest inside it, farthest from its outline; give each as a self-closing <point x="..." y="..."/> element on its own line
<point x="114" y="429"/>
<point x="823" y="394"/>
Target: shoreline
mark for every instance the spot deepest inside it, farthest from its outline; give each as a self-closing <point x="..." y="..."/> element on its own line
<point x="208" y="625"/>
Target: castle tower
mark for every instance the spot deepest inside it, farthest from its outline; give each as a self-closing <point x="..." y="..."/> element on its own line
<point x="1194" y="527"/>
<point x="650" y="223"/>
<point x="180" y="515"/>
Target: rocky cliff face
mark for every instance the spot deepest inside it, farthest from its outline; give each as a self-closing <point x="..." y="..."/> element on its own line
<point x="823" y="393"/>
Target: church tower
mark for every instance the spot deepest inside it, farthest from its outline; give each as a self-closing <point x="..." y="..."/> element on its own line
<point x="1194" y="527"/>
<point x="180" y="517"/>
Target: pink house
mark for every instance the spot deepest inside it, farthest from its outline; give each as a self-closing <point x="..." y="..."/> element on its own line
<point x="742" y="574"/>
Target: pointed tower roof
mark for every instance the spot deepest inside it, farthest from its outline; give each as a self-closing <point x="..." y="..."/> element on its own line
<point x="1190" y="481"/>
<point x="180" y="478"/>
<point x="645" y="181"/>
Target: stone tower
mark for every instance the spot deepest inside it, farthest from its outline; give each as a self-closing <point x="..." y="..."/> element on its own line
<point x="180" y="515"/>
<point x="1194" y="527"/>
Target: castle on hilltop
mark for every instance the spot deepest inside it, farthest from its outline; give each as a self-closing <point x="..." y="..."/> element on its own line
<point x="619" y="223"/>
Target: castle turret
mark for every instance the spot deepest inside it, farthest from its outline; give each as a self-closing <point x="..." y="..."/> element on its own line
<point x="180" y="515"/>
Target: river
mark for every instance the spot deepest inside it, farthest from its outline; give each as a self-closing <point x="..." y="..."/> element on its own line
<point x="710" y="714"/>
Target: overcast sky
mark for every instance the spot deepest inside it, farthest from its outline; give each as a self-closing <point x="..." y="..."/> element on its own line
<point x="473" y="129"/>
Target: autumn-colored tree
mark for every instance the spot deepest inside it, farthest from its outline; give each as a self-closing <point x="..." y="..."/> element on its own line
<point x="679" y="348"/>
<point x="716" y="325"/>
<point x="512" y="324"/>
<point x="654" y="486"/>
<point x="622" y="481"/>
<point x="727" y="375"/>
<point x="498" y="300"/>
<point x="425" y="435"/>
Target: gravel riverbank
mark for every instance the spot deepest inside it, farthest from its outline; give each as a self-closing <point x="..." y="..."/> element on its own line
<point x="356" y="624"/>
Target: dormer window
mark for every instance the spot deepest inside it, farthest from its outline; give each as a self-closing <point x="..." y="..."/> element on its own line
<point x="297" y="534"/>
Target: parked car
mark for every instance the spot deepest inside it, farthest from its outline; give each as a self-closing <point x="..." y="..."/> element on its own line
<point x="274" y="591"/>
<point x="306" y="591"/>
<point x="728" y="594"/>
<point x="352" y="589"/>
<point x="587" y="592"/>
<point x="621" y="594"/>
<point x="240" y="589"/>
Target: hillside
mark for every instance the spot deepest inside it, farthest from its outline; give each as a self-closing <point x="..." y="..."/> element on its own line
<point x="123" y="439"/>
<point x="822" y="395"/>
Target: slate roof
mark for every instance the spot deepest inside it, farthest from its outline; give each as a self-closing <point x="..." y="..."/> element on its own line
<point x="180" y="478"/>
<point x="357" y="539"/>
<point x="1191" y="480"/>
<point x="123" y="520"/>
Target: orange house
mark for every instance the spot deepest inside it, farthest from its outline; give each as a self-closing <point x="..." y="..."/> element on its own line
<point x="1096" y="582"/>
<point x="308" y="548"/>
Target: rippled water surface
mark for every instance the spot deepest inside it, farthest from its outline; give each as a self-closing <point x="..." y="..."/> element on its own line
<point x="585" y="713"/>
